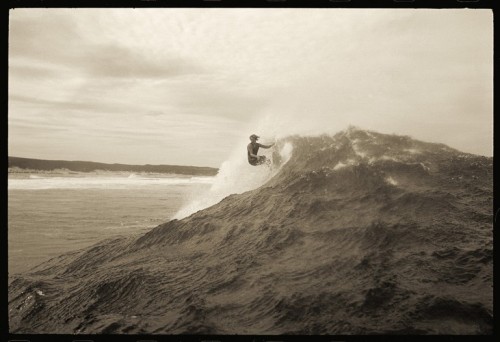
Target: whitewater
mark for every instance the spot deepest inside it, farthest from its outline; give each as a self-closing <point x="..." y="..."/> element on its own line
<point x="236" y="176"/>
<point x="104" y="180"/>
<point x="356" y="232"/>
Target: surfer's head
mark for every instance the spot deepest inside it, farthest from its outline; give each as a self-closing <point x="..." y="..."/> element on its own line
<point x="254" y="137"/>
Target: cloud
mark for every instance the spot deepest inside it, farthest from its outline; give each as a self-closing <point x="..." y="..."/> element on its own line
<point x="36" y="129"/>
<point x="214" y="99"/>
<point x="89" y="107"/>
<point x="31" y="72"/>
<point x="115" y="61"/>
<point x="43" y="35"/>
<point x="52" y="39"/>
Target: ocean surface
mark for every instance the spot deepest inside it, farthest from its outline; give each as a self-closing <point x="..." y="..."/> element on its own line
<point x="359" y="233"/>
<point x="56" y="212"/>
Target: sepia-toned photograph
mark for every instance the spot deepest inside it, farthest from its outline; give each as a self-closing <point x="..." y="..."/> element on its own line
<point x="250" y="171"/>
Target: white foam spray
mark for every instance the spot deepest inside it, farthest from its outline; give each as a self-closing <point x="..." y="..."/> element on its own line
<point x="236" y="176"/>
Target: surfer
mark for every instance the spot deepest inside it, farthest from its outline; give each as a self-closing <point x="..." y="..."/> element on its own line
<point x="252" y="150"/>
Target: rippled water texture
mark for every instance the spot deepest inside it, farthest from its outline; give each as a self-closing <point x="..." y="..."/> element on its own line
<point x="53" y="213"/>
<point x="358" y="233"/>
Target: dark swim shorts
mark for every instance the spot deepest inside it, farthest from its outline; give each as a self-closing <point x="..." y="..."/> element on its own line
<point x="257" y="161"/>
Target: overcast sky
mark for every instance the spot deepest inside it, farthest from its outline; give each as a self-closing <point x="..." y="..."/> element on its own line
<point x="185" y="86"/>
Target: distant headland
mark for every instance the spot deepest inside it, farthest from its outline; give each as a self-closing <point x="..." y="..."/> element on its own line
<point x="87" y="166"/>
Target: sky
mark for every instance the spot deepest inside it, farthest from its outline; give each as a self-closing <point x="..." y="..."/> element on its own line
<point x="188" y="86"/>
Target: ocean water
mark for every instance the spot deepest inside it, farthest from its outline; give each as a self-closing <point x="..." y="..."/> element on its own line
<point x="359" y="233"/>
<point x="53" y="213"/>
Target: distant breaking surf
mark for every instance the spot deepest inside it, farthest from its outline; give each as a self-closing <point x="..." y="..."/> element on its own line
<point x="102" y="181"/>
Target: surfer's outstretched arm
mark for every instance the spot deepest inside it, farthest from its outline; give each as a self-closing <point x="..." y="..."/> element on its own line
<point x="267" y="146"/>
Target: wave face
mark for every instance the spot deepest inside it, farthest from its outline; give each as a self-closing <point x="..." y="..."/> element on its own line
<point x="358" y="233"/>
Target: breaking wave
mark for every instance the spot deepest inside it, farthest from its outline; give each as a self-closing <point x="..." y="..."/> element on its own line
<point x="236" y="176"/>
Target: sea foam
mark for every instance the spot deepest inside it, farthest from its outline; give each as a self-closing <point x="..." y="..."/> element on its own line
<point x="236" y="176"/>
<point x="92" y="181"/>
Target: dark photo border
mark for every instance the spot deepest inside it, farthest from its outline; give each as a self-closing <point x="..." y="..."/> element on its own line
<point x="4" y="20"/>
